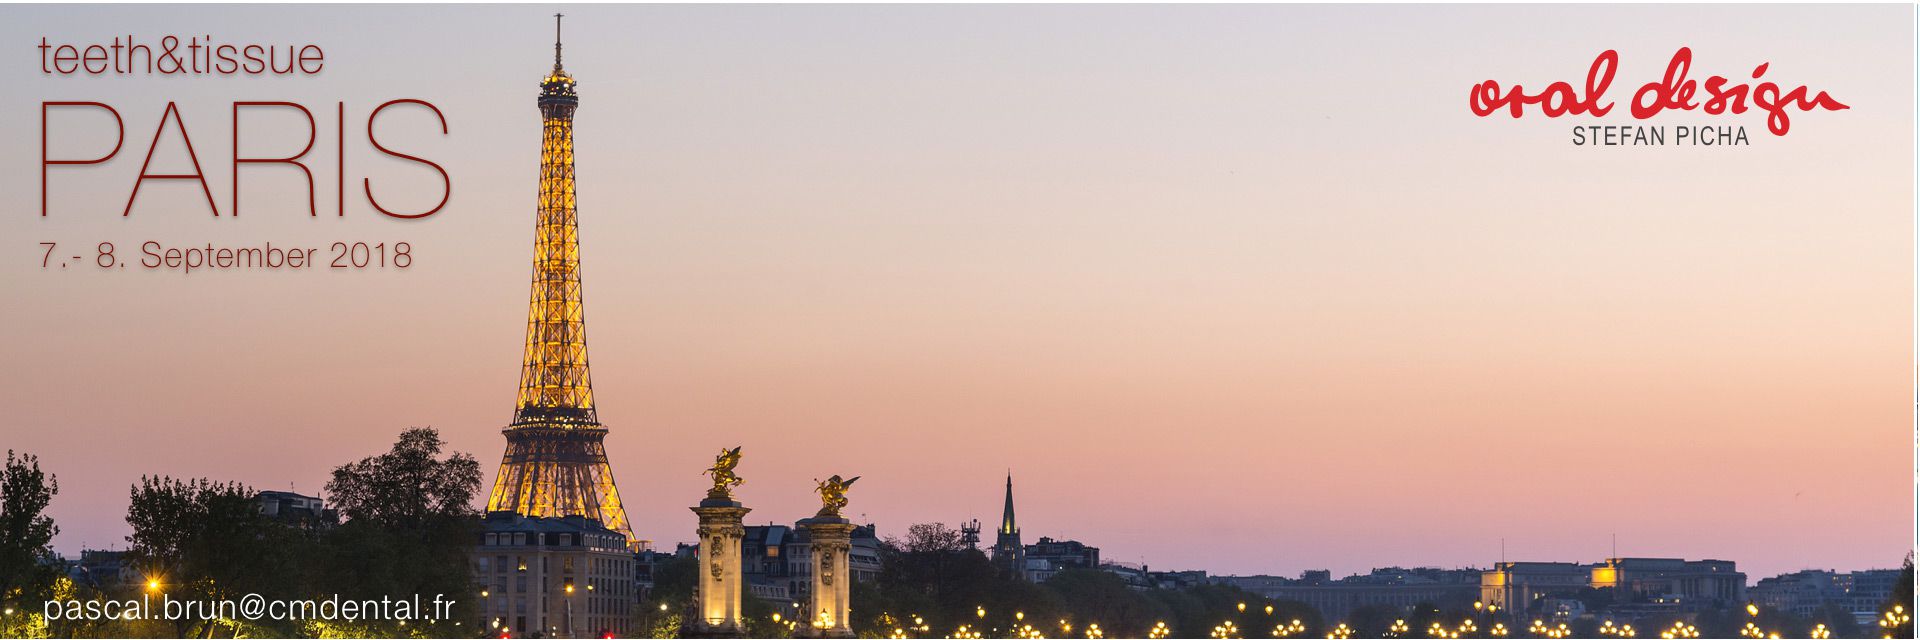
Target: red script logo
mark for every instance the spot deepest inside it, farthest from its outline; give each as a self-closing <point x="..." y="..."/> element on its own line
<point x="1675" y="91"/>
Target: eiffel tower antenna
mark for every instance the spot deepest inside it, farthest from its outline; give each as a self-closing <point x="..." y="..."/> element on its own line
<point x="556" y="40"/>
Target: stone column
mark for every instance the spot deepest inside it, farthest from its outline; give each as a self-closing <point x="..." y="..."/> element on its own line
<point x="832" y="604"/>
<point x="720" y="585"/>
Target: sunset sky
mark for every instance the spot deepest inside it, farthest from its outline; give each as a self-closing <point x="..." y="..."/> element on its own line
<point x="1238" y="288"/>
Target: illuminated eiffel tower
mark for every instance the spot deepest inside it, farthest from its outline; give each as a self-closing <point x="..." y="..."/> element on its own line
<point x="556" y="463"/>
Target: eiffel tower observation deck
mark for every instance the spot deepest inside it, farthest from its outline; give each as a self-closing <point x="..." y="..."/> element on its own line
<point x="556" y="463"/>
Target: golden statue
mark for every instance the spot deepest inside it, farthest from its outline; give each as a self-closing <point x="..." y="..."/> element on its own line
<point x="833" y="495"/>
<point x="724" y="480"/>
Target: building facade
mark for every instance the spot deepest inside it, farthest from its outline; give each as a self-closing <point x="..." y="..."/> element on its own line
<point x="298" y="510"/>
<point x="1050" y="556"/>
<point x="1516" y="587"/>
<point x="1809" y="592"/>
<point x="565" y="577"/>
<point x="775" y="561"/>
<point x="1691" y="584"/>
<point x="1394" y="589"/>
<point x="1665" y="584"/>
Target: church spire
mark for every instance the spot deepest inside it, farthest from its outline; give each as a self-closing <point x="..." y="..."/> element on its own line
<point x="1007" y="524"/>
<point x="1009" y="555"/>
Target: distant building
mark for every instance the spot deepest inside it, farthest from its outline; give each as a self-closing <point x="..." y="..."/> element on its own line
<point x="1868" y="591"/>
<point x="1050" y="556"/>
<point x="1008" y="554"/>
<point x="296" y="509"/>
<point x="104" y="570"/>
<point x="646" y="562"/>
<point x="767" y="563"/>
<point x="1800" y="593"/>
<point x="1516" y="586"/>
<point x="553" y="577"/>
<point x="1692" y="584"/>
<point x="1176" y="579"/>
<point x="1805" y="593"/>
<point x="1391" y="588"/>
<point x="1135" y="575"/>
<point x="775" y="561"/>
<point x="1662" y="584"/>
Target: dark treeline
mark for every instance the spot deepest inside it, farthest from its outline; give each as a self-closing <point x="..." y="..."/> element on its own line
<point x="406" y="525"/>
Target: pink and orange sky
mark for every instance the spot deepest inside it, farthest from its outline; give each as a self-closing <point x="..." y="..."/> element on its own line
<point x="1236" y="288"/>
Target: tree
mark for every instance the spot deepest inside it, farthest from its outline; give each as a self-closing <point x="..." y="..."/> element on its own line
<point x="1900" y="606"/>
<point x="409" y="528"/>
<point x="933" y="575"/>
<point x="1095" y="596"/>
<point x="1375" y="620"/>
<point x="932" y="537"/>
<point x="27" y="572"/>
<point x="408" y="488"/>
<point x="200" y="539"/>
<point x="660" y="613"/>
<point x="757" y="614"/>
<point x="1839" y="620"/>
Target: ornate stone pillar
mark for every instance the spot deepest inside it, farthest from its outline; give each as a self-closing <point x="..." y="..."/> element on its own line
<point x="720" y="583"/>
<point x="832" y="605"/>
<point x="720" y="589"/>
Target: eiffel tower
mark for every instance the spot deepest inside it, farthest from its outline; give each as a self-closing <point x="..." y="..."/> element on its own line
<point x="556" y="462"/>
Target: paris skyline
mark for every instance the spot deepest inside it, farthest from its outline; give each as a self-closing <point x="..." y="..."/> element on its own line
<point x="1194" y="299"/>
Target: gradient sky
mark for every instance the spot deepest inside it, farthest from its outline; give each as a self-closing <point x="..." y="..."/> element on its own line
<point x="1236" y="288"/>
